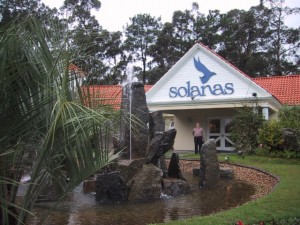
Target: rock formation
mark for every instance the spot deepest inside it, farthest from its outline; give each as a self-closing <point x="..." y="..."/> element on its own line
<point x="174" y="170"/>
<point x="110" y="188"/>
<point x="140" y="177"/>
<point x="134" y="102"/>
<point x="146" y="185"/>
<point x="160" y="144"/>
<point x="209" y="173"/>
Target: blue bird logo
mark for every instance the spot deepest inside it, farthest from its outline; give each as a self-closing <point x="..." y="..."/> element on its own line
<point x="203" y="69"/>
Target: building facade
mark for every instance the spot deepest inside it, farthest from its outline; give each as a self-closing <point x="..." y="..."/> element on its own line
<point x="203" y="87"/>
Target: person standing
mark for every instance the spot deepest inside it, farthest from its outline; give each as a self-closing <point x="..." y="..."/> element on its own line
<point x="198" y="137"/>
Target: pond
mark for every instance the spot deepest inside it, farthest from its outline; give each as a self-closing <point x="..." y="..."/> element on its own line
<point x="82" y="209"/>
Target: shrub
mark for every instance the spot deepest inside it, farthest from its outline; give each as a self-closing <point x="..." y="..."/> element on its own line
<point x="270" y="135"/>
<point x="289" y="221"/>
<point x="288" y="154"/>
<point x="261" y="151"/>
<point x="245" y="126"/>
<point x="289" y="117"/>
<point x="285" y="154"/>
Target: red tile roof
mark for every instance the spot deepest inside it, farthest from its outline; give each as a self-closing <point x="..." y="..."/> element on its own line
<point x="285" y="88"/>
<point x="103" y="95"/>
<point x="106" y="95"/>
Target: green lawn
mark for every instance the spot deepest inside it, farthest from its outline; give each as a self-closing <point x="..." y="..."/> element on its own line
<point x="282" y="203"/>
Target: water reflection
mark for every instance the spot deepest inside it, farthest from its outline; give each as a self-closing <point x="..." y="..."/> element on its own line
<point x="83" y="210"/>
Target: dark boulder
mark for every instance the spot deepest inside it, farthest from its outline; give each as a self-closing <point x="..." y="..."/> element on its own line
<point x="147" y="184"/>
<point x="174" y="187"/>
<point x="110" y="188"/>
<point x="160" y="144"/>
<point x="174" y="170"/>
<point x="209" y="173"/>
<point x="156" y="123"/>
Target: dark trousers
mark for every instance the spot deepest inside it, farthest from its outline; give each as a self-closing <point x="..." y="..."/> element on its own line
<point x="198" y="144"/>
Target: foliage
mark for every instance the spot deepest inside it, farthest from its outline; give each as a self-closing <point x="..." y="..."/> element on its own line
<point x="141" y="34"/>
<point x="245" y="126"/>
<point x="270" y="135"/>
<point x="243" y="45"/>
<point x="288" y="221"/>
<point x="45" y="128"/>
<point x="162" y="53"/>
<point x="207" y="28"/>
<point x="256" y="40"/>
<point x="280" y="35"/>
<point x="285" y="154"/>
<point x="289" y="117"/>
<point x="17" y="10"/>
<point x="86" y="34"/>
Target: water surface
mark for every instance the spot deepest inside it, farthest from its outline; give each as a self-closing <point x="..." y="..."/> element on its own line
<point x="82" y="209"/>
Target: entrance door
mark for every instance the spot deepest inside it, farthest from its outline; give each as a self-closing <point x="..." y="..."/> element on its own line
<point x="218" y="129"/>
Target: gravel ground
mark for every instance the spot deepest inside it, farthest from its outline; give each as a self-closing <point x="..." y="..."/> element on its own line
<point x="264" y="183"/>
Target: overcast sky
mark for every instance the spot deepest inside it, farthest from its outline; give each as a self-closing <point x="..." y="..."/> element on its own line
<point x="114" y="14"/>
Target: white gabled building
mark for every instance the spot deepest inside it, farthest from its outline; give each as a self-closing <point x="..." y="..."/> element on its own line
<point x="203" y="87"/>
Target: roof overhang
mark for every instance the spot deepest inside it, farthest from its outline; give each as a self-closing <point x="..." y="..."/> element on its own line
<point x="268" y="102"/>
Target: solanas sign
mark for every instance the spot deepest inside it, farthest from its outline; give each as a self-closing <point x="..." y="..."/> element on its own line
<point x="204" y="89"/>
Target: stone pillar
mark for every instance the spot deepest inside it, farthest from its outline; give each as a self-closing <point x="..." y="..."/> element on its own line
<point x="174" y="170"/>
<point x="134" y="103"/>
<point x="209" y="175"/>
<point x="157" y="124"/>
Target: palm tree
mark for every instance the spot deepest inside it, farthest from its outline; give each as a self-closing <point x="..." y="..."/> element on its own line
<point x="42" y="126"/>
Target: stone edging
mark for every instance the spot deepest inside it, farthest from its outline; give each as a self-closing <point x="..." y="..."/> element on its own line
<point x="263" y="181"/>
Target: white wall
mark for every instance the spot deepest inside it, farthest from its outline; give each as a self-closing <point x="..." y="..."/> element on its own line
<point x="185" y="121"/>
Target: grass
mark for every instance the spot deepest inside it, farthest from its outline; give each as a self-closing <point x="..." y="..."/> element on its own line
<point x="282" y="203"/>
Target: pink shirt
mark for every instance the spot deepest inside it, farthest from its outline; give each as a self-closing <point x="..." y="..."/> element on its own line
<point x="198" y="132"/>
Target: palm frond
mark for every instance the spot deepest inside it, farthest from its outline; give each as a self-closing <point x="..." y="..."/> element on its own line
<point x="39" y="116"/>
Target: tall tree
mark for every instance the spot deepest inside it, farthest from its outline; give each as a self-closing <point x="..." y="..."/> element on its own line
<point x="140" y="35"/>
<point x="283" y="42"/>
<point x="102" y="56"/>
<point x="114" y="57"/>
<point x="207" y="28"/>
<point x="17" y="10"/>
<point x="183" y="26"/>
<point x="80" y="11"/>
<point x="85" y="34"/>
<point x="243" y="38"/>
<point x="163" y="57"/>
<point x="258" y="42"/>
<point x="174" y="40"/>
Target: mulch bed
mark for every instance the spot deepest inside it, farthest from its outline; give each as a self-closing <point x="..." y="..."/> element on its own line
<point x="263" y="182"/>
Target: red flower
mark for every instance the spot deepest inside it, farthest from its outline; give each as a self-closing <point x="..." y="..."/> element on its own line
<point x="239" y="222"/>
